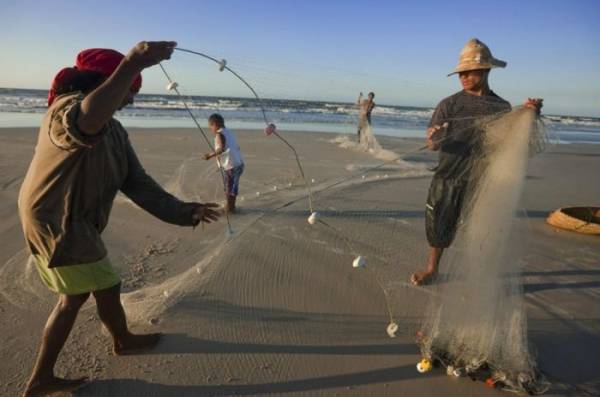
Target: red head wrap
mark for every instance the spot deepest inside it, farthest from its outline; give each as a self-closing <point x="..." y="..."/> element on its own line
<point x="100" y="60"/>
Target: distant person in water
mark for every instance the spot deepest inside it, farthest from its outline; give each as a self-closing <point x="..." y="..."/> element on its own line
<point x="453" y="131"/>
<point x="229" y="156"/>
<point x="83" y="157"/>
<point x="365" y="107"/>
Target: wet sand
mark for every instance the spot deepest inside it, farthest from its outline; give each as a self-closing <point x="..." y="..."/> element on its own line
<point x="278" y="309"/>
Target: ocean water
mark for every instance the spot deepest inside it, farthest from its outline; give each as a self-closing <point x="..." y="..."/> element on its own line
<point x="25" y="108"/>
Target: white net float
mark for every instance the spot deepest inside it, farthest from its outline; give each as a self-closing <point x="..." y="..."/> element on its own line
<point x="359" y="262"/>
<point x="459" y="372"/>
<point x="314" y="218"/>
<point x="392" y="328"/>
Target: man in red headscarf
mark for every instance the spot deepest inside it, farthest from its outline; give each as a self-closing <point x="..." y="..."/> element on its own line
<point x="82" y="159"/>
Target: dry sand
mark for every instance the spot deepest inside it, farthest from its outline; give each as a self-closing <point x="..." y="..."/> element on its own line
<point x="278" y="309"/>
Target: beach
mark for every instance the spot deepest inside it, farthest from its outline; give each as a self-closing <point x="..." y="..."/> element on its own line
<point x="277" y="308"/>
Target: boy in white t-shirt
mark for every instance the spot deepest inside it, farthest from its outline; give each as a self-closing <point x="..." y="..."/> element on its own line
<point x="229" y="155"/>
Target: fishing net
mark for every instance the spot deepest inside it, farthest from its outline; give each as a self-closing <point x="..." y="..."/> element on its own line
<point x="472" y="320"/>
<point x="355" y="229"/>
<point x="368" y="144"/>
<point x="476" y="325"/>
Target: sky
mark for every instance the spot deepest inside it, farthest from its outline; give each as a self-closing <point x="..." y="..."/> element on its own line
<point x="322" y="50"/>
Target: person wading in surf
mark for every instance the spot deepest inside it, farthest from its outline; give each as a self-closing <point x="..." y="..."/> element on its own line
<point x="453" y="131"/>
<point x="365" y="107"/>
<point x="82" y="159"/>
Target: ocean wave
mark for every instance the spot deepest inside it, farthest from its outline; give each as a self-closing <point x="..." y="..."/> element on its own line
<point x="574" y="121"/>
<point x="285" y="110"/>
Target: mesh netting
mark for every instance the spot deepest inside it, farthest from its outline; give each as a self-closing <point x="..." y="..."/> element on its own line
<point x="368" y="143"/>
<point x="472" y="320"/>
<point x="477" y="325"/>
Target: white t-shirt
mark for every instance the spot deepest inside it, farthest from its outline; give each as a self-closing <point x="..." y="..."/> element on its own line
<point x="232" y="155"/>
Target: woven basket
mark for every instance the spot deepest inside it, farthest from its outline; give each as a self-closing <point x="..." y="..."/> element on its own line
<point x="584" y="220"/>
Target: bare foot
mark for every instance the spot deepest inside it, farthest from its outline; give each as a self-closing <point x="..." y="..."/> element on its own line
<point x="423" y="278"/>
<point x="133" y="344"/>
<point x="52" y="385"/>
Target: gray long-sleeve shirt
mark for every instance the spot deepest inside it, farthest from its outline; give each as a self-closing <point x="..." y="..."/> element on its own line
<point x="466" y="115"/>
<point x="68" y="192"/>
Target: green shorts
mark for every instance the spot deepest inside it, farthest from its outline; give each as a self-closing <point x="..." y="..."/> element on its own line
<point x="77" y="279"/>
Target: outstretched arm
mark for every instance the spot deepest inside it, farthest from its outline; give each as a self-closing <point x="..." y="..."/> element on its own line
<point x="219" y="145"/>
<point x="145" y="192"/>
<point x="100" y="105"/>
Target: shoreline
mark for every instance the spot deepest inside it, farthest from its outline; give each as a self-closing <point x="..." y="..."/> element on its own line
<point x="561" y="135"/>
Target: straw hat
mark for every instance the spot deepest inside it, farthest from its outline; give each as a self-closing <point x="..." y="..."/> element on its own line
<point x="476" y="55"/>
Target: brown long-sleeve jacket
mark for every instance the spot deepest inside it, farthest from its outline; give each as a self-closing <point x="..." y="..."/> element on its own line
<point x="68" y="192"/>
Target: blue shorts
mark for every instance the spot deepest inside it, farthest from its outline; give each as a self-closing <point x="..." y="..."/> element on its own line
<point x="232" y="180"/>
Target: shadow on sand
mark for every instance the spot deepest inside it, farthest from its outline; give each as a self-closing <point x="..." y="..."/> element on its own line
<point x="116" y="387"/>
<point x="531" y="288"/>
<point x="185" y="344"/>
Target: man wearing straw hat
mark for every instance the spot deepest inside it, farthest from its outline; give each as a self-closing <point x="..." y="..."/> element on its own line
<point x="453" y="131"/>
